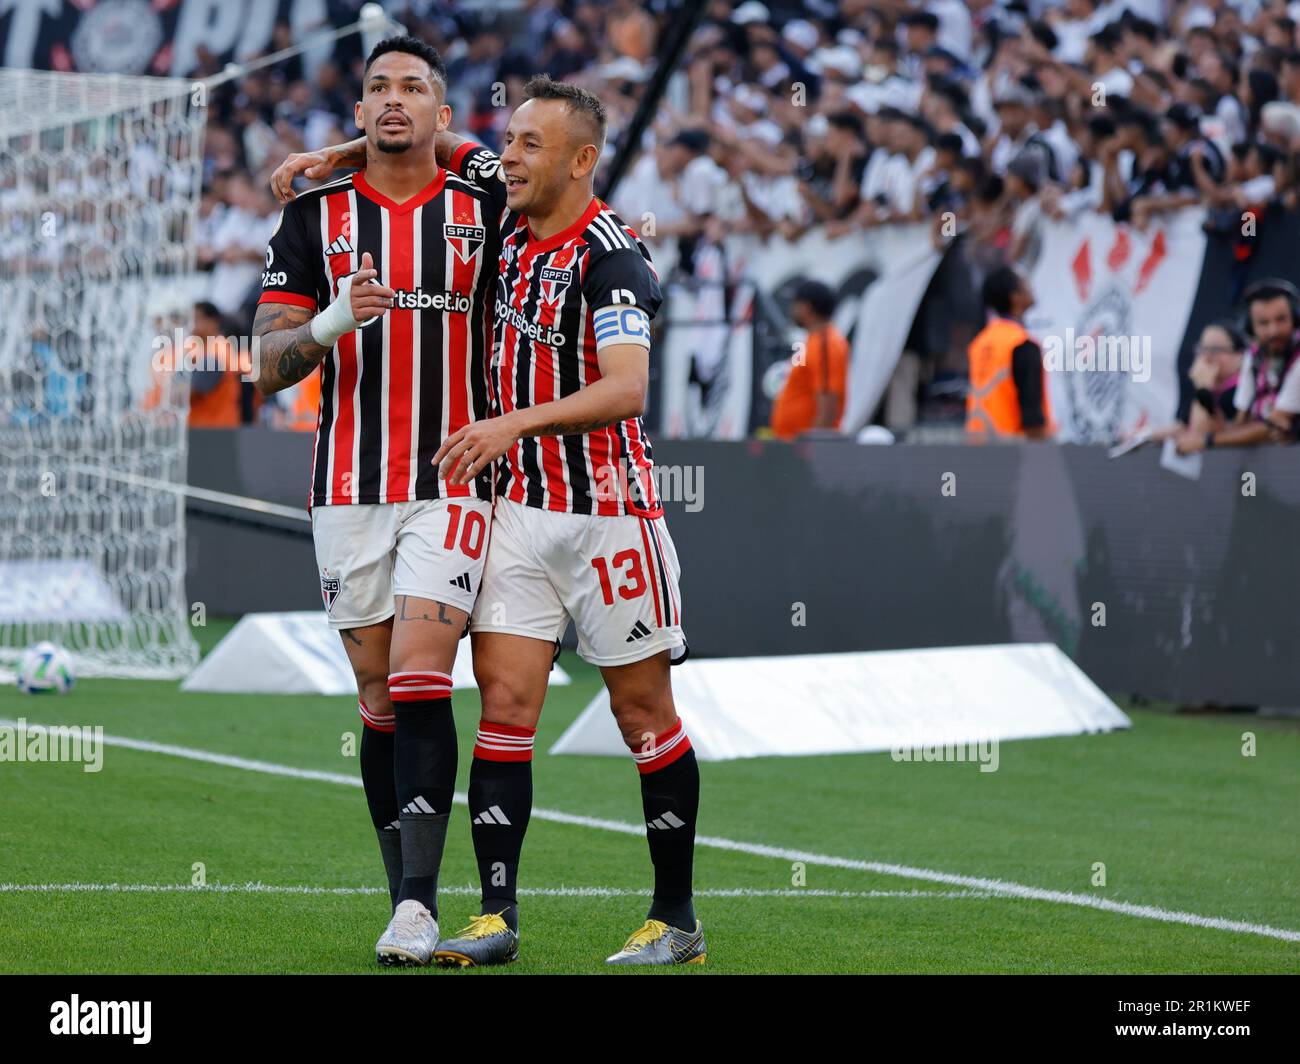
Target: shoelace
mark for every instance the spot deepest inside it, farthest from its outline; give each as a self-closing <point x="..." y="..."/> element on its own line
<point x="648" y="933"/>
<point x="410" y="921"/>
<point x="482" y="926"/>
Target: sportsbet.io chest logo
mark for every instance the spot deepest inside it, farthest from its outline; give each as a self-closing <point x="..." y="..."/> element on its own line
<point x="443" y="302"/>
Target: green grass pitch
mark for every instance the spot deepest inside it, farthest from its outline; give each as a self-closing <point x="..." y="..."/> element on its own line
<point x="1180" y="818"/>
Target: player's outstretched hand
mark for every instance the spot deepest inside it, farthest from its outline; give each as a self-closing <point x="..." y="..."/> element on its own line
<point x="314" y="165"/>
<point x="469" y="450"/>
<point x="370" y="299"/>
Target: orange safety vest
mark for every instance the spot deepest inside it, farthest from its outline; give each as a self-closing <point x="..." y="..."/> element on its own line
<point x="992" y="403"/>
<point x="304" y="404"/>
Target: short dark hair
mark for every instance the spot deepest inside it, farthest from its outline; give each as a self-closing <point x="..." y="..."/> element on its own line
<point x="1271" y="288"/>
<point x="1144" y="28"/>
<point x="927" y="20"/>
<point x="949" y="142"/>
<point x="1142" y="119"/>
<point x="848" y="122"/>
<point x="410" y="46"/>
<point x="579" y="100"/>
<point x="999" y="287"/>
<point x="816" y="295"/>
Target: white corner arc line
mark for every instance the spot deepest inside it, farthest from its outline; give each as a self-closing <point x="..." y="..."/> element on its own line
<point x="1000" y="887"/>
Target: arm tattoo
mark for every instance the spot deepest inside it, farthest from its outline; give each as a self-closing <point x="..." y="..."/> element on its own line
<point x="442" y="617"/>
<point x="286" y="351"/>
<point x="572" y="428"/>
<point x="444" y="147"/>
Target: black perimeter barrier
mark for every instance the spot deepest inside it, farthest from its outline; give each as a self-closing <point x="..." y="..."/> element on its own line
<point x="1156" y="585"/>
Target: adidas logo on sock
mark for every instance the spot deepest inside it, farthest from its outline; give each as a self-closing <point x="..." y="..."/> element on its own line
<point x="341" y="246"/>
<point x="639" y="631"/>
<point x="462" y="582"/>
<point x="666" y="822"/>
<point x="417" y="805"/>
<point x="492" y="815"/>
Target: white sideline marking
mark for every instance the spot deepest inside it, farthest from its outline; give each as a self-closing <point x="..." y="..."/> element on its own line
<point x="531" y="892"/>
<point x="999" y="887"/>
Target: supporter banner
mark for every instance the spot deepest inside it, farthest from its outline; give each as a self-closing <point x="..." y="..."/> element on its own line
<point x="709" y="355"/>
<point x="161" y="37"/>
<point x="1112" y="307"/>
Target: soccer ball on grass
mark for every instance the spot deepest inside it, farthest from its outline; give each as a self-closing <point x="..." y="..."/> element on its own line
<point x="45" y="669"/>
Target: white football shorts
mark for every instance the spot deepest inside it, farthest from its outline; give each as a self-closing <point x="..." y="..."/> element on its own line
<point x="616" y="577"/>
<point x="370" y="553"/>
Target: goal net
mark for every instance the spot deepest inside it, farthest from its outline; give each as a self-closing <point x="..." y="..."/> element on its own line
<point x="99" y="187"/>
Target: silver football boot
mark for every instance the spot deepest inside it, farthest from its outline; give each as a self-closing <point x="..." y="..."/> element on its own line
<point x="410" y="938"/>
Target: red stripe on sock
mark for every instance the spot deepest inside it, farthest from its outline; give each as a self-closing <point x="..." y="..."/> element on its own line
<point x="504" y="742"/>
<point x="377" y="721"/>
<point x="418" y="686"/>
<point x="675" y="748"/>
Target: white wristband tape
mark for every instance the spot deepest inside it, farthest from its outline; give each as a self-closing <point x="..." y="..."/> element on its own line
<point x="336" y="319"/>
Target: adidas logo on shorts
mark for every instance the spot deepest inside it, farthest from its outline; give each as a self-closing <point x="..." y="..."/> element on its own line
<point x="462" y="582"/>
<point x="639" y="631"/>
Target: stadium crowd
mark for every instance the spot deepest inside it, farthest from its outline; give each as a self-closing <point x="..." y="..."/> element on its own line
<point x="848" y="114"/>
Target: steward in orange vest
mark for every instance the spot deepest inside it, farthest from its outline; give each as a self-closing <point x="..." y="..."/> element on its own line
<point x="1008" y="384"/>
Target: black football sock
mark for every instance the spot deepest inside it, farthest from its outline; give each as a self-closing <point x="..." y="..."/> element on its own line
<point x="425" y="769"/>
<point x="500" y="803"/>
<point x="670" y="797"/>
<point x="381" y="792"/>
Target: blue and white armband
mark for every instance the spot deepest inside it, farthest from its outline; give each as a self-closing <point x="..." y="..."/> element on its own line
<point x="621" y="324"/>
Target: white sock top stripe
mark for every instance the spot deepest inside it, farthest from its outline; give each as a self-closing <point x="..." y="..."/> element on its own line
<point x="406" y="676"/>
<point x="497" y="739"/>
<point x="660" y="749"/>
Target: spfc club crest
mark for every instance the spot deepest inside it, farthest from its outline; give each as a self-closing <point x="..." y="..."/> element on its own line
<point x="465" y="240"/>
<point x="554" y="280"/>
<point x="329" y="587"/>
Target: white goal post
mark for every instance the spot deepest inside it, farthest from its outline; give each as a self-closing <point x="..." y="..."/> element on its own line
<point x="99" y="188"/>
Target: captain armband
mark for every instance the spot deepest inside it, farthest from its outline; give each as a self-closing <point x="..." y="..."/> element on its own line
<point x="621" y="324"/>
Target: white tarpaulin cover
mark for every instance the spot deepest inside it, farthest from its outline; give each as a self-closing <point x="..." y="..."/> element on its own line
<point x="295" y="654"/>
<point x="869" y="701"/>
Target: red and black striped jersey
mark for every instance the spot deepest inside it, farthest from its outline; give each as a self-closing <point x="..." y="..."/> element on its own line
<point x="558" y="301"/>
<point x="392" y="390"/>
